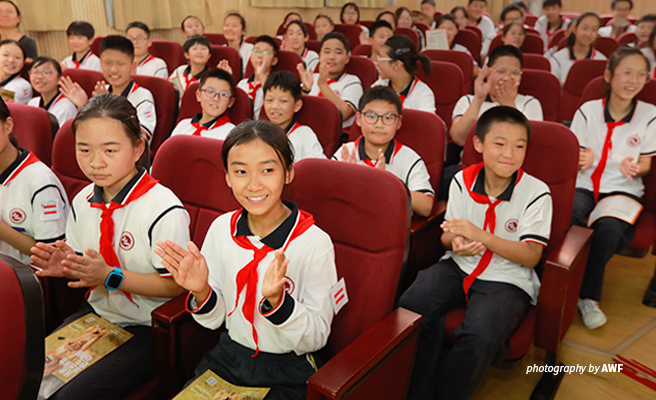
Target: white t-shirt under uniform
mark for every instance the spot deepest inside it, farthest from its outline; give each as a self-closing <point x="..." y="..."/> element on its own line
<point x="218" y="128"/>
<point x="417" y="96"/>
<point x="153" y="66"/>
<point x="90" y="61"/>
<point x="528" y="105"/>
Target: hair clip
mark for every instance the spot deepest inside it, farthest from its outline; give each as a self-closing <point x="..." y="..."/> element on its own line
<point x="401" y="51"/>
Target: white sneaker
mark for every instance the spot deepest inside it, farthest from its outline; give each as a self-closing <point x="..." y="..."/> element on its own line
<point x="591" y="314"/>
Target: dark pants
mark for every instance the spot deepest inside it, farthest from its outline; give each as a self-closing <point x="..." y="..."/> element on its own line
<point x="285" y="374"/>
<point x="610" y="234"/>
<point x="493" y="313"/>
<point x="116" y="374"/>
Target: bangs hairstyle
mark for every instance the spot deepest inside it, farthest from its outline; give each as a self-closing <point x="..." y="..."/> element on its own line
<point x="270" y="41"/>
<point x="285" y="81"/>
<point x="138" y="25"/>
<point x="614" y="3"/>
<point x="4" y="114"/>
<point x="194" y="40"/>
<point x="266" y="131"/>
<point x="118" y="43"/>
<point x="118" y="108"/>
<point x="501" y="114"/>
<point x="81" y="28"/>
<point x="506" y="29"/>
<point x="218" y="74"/>
<point x="301" y="25"/>
<point x="47" y="60"/>
<point x="289" y="14"/>
<point x="505" y="51"/>
<point x="620" y="54"/>
<point x="339" y="36"/>
<point x="571" y="39"/>
<point x="326" y="16"/>
<point x="379" y="25"/>
<point x="510" y="8"/>
<point x="401" y="48"/>
<point x="459" y="8"/>
<point x="381" y="93"/>
<point x="400" y="10"/>
<point x="347" y="5"/>
<point x="446" y="17"/>
<point x="9" y="41"/>
<point x="242" y="20"/>
<point x="647" y="18"/>
<point x="188" y="17"/>
<point x="386" y="13"/>
<point x="549" y="3"/>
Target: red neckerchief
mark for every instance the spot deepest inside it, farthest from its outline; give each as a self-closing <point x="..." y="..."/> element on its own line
<point x="397" y="147"/>
<point x="469" y="175"/>
<point x="608" y="147"/>
<point x="305" y="52"/>
<point x="79" y="63"/>
<point x="187" y="80"/>
<point x="148" y="58"/>
<point x="107" y="224"/>
<point x="247" y="276"/>
<point x="412" y="87"/>
<point x="31" y="159"/>
<point x="329" y="82"/>
<point x="200" y="127"/>
<point x="52" y="103"/>
<point x="253" y="88"/>
<point x="295" y="127"/>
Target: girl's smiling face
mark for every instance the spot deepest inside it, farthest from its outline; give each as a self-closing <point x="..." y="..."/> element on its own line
<point x="11" y="59"/>
<point x="335" y="55"/>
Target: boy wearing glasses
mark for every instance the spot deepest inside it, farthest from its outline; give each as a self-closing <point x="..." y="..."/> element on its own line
<point x="147" y="64"/>
<point x="379" y="118"/>
<point x="80" y="36"/>
<point x="264" y="57"/>
<point x="216" y="93"/>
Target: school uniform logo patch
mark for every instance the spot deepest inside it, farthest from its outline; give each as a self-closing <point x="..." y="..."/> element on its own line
<point x="17" y="216"/>
<point x="50" y="210"/>
<point x="511" y="225"/>
<point x="127" y="241"/>
<point x="633" y="141"/>
<point x="289" y="285"/>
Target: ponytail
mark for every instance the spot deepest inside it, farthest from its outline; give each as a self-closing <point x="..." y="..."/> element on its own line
<point x="401" y="48"/>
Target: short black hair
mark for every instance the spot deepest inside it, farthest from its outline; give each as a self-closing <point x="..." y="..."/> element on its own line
<point x="339" y="36"/>
<point x="614" y="3"/>
<point x="47" y="60"/>
<point x="508" y="9"/>
<point x="138" y="25"/>
<point x="194" y="40"/>
<point x="266" y="131"/>
<point x="218" y="74"/>
<point x="505" y="51"/>
<point x="382" y="93"/>
<point x="548" y="3"/>
<point x="118" y="43"/>
<point x="270" y="41"/>
<point x="285" y="81"/>
<point x="471" y="1"/>
<point x="446" y="17"/>
<point x="500" y="114"/>
<point x="378" y="25"/>
<point x="81" y="28"/>
<point x="431" y="2"/>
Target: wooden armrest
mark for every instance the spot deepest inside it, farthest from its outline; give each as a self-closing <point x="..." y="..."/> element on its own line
<point x="561" y="281"/>
<point x="379" y="361"/>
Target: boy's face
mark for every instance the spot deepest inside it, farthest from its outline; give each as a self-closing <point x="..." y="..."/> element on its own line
<point x="503" y="149"/>
<point x="212" y="97"/>
<point x="280" y="107"/>
<point x="140" y="41"/>
<point x="513" y="16"/>
<point x="476" y="10"/>
<point x="552" y="13"/>
<point x="79" y="43"/>
<point x="622" y="9"/>
<point x="198" y="54"/>
<point x="643" y="30"/>
<point x="116" y="67"/>
<point x="263" y="54"/>
<point x="335" y="55"/>
<point x="505" y="71"/>
<point x="374" y="128"/>
<point x="428" y="9"/>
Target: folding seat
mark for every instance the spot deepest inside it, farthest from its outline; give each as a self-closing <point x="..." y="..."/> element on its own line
<point x="219" y="53"/>
<point x="409" y="33"/>
<point x="471" y="41"/>
<point x="166" y="107"/>
<point x="367" y="23"/>
<point x="556" y="38"/>
<point x="532" y="44"/>
<point x="605" y="19"/>
<point x="461" y="59"/>
<point x="352" y="33"/>
<point x="287" y="61"/>
<point x="169" y="51"/>
<point x="582" y="72"/>
<point x="570" y="15"/>
<point x="64" y="163"/>
<point x="361" y="50"/>
<point x="626" y="38"/>
<point x="530" y="19"/>
<point x="314" y="45"/>
<point x="86" y="78"/>
<point x="536" y="61"/>
<point x="437" y="15"/>
<point x="446" y="82"/>
<point x="606" y="45"/>
<point x="95" y="45"/>
<point x="310" y="28"/>
<point x="363" y="68"/>
<point x="545" y="87"/>
<point x="476" y="30"/>
<point x="239" y="112"/>
<point x="216" y="38"/>
<point x="33" y="130"/>
<point x="422" y="27"/>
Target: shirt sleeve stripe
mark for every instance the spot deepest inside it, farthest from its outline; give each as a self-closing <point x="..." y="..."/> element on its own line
<point x="159" y="217"/>
<point x="537" y="198"/>
<point x="51" y="240"/>
<point x="535" y="239"/>
<point x="46" y="187"/>
<point x="206" y="306"/>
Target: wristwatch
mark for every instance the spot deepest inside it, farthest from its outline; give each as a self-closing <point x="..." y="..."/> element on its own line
<point x="114" y="279"/>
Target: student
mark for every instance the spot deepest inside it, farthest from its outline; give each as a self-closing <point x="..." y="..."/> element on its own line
<point x="234" y="30"/>
<point x="496" y="85"/>
<point x="192" y="26"/>
<point x="404" y="20"/>
<point x="617" y="136"/>
<point x="118" y="63"/>
<point x="580" y="45"/>
<point x="282" y="100"/>
<point x="514" y="35"/>
<point x="550" y="21"/>
<point x="380" y="32"/>
<point x="650" y="52"/>
<point x="428" y="9"/>
<point x="476" y="10"/>
<point x="397" y="65"/>
<point x="216" y="93"/>
<point x="379" y="118"/>
<point x="620" y="23"/>
<point x="296" y="36"/>
<point x="450" y="25"/>
<point x="9" y="29"/>
<point x="33" y="203"/>
<point x="291" y="16"/>
<point x="332" y="81"/>
<point x="323" y="25"/>
<point x="44" y="77"/>
<point x="461" y="15"/>
<point x="126" y="279"/>
<point x="388" y="17"/>
<point x="80" y="36"/>
<point x="285" y="263"/>
<point x="265" y="56"/>
<point x="139" y="34"/>
<point x="644" y="26"/>
<point x="350" y="15"/>
<point x="197" y="51"/>
<point x="487" y="268"/>
<point x="12" y="60"/>
<point x="509" y="14"/>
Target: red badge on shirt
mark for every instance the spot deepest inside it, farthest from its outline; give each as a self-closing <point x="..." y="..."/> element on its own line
<point x="633" y="141"/>
<point x="127" y="241"/>
<point x="17" y="216"/>
<point x="511" y="225"/>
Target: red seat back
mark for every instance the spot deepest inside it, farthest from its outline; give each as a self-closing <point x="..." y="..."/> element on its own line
<point x="287" y="61"/>
<point x="86" y="78"/>
<point x="471" y="41"/>
<point x="606" y="45"/>
<point x="556" y="38"/>
<point x="531" y="19"/>
<point x="338" y="195"/>
<point x="409" y="33"/>
<point x="461" y="59"/>
<point x="532" y="44"/>
<point x="166" y="107"/>
<point x="545" y="87"/>
<point x="219" y="53"/>
<point x="422" y="27"/>
<point x="445" y="80"/>
<point x="437" y="15"/>
<point x="216" y="38"/>
<point x="239" y="112"/>
<point x="169" y="51"/>
<point x="363" y="68"/>
<point x="476" y="30"/>
<point x="582" y="72"/>
<point x="33" y="130"/>
<point x="314" y="45"/>
<point x="626" y="38"/>
<point x="64" y="162"/>
<point x="95" y="45"/>
<point x="361" y="50"/>
<point x="352" y="33"/>
<point x="536" y="61"/>
<point x="324" y="118"/>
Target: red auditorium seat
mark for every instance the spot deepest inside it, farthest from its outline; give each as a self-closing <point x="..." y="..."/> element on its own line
<point x="361" y="50"/>
<point x="626" y="38"/>
<point x="33" y="130"/>
<point x="363" y="68"/>
<point x="536" y="61"/>
<point x="545" y="87"/>
<point x="446" y="82"/>
<point x="409" y="33"/>
<point x="582" y="72"/>
<point x="239" y="112"/>
<point x="461" y="59"/>
<point x="166" y="107"/>
<point x="216" y="38"/>
<point x="64" y="163"/>
<point x="477" y="31"/>
<point x="471" y="41"/>
<point x="352" y="33"/>
<point x="219" y="53"/>
<point x="287" y="61"/>
<point x="314" y="45"/>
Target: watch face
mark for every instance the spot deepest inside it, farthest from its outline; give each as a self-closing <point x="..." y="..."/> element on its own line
<point x="114" y="281"/>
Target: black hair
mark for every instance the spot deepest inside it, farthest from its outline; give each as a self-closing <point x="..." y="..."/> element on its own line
<point x="471" y="1"/>
<point x="508" y="9"/>
<point x="218" y="74"/>
<point x="194" y="40"/>
<point x="647" y="18"/>
<point x="242" y="20"/>
<point x="301" y="25"/>
<point x="118" y="108"/>
<point x="4" y="114"/>
<point x="501" y="114"/>
<point x="431" y="2"/>
<point x="266" y="131"/>
<point x="39" y="61"/>
<point x="446" y="17"/>
<point x="380" y="93"/>
<point x="347" y="5"/>
<point x="81" y="28"/>
<point x="401" y="48"/>
<point x="326" y="16"/>
<point x="289" y="14"/>
<point x="459" y="8"/>
<point x="118" y="43"/>
<point x="522" y="6"/>
<point x="339" y="36"/>
<point x="505" y="51"/>
<point x="400" y="10"/>
<point x="507" y="27"/>
<point x="9" y="41"/>
<point x="138" y="25"/>
<point x="378" y="25"/>
<point x="18" y="13"/>
<point x="188" y="17"/>
<point x="270" y="41"/>
<point x="548" y="3"/>
<point x="285" y="81"/>
<point x="652" y="36"/>
<point x="571" y="39"/>
<point x="614" y="3"/>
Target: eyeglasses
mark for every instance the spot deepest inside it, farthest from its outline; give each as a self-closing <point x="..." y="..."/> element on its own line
<point x="44" y="74"/>
<point x="261" y="52"/>
<point x="502" y="72"/>
<point x="137" y="40"/>
<point x="384" y="59"/>
<point x="371" y="118"/>
<point x="211" y="94"/>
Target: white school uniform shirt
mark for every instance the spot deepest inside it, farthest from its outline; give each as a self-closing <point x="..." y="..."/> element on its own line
<point x="90" y="61"/>
<point x="255" y="93"/>
<point x="301" y="321"/>
<point x="245" y="52"/>
<point x="156" y="215"/>
<point x="400" y="160"/>
<point x="143" y="101"/>
<point x="218" y="128"/>
<point x="61" y="107"/>
<point x="347" y="87"/>
<point x="153" y="66"/>
<point x="21" y="88"/>
<point x="542" y="26"/>
<point x="563" y="59"/>
<point x="524" y="215"/>
<point x="311" y="59"/>
<point x="487" y="27"/>
<point x="606" y="31"/>
<point x="417" y="96"/>
<point x="528" y="105"/>
<point x="459" y="47"/>
<point x="304" y="142"/>
<point x="636" y="138"/>
<point x="33" y="202"/>
<point x="181" y="78"/>
<point x="651" y="56"/>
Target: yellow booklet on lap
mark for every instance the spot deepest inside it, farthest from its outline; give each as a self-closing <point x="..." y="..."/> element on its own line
<point x="616" y="206"/>
<point x="210" y="386"/>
